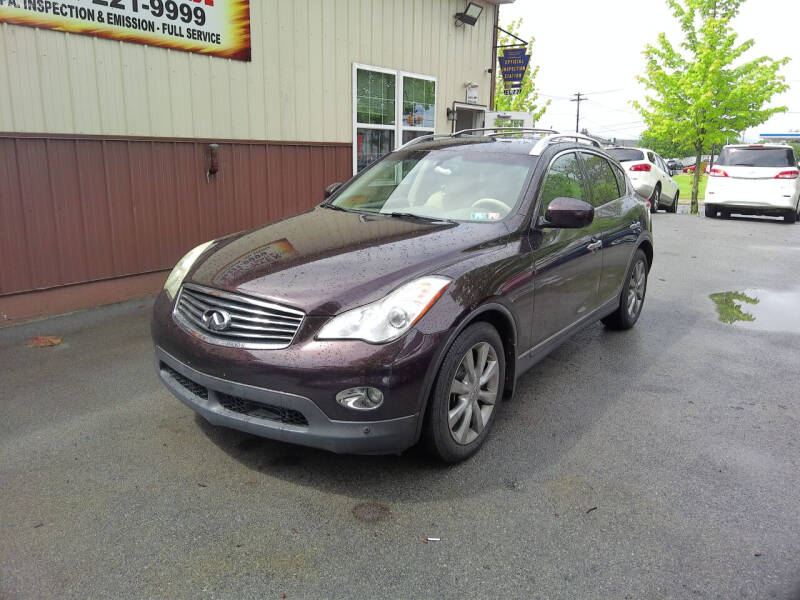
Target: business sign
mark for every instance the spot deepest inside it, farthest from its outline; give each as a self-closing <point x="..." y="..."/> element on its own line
<point x="513" y="64"/>
<point x="217" y="27"/>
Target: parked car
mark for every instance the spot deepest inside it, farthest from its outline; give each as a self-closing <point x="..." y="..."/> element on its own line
<point x="756" y="179"/>
<point x="674" y="165"/>
<point x="690" y="168"/>
<point x="650" y="176"/>
<point x="402" y="307"/>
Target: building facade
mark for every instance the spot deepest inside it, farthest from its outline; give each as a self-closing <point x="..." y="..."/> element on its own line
<point x="117" y="156"/>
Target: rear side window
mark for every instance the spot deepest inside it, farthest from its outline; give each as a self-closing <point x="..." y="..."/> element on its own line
<point x="651" y="157"/>
<point x="601" y="179"/>
<point x="621" y="183"/>
<point x="756" y="157"/>
<point x="626" y="154"/>
<point x="564" y="179"/>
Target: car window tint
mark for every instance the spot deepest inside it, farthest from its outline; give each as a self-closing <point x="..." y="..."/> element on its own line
<point x="601" y="179"/>
<point x="564" y="179"/>
<point x="756" y="157"/>
<point x="626" y="154"/>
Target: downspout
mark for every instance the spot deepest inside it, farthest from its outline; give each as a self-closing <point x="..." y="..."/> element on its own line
<point x="494" y="55"/>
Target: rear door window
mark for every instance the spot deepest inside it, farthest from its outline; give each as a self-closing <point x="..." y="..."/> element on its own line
<point x="602" y="182"/>
<point x="756" y="157"/>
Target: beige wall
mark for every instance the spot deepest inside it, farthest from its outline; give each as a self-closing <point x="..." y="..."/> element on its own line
<point x="297" y="87"/>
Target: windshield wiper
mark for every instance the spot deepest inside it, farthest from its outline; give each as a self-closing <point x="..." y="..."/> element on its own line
<point x="334" y="207"/>
<point x="405" y="215"/>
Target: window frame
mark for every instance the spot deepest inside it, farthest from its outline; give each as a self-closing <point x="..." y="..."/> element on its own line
<point x="539" y="209"/>
<point x="398" y="127"/>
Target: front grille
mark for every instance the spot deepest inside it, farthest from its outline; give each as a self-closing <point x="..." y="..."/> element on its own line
<point x="185" y="382"/>
<point x="248" y="323"/>
<point x="262" y="411"/>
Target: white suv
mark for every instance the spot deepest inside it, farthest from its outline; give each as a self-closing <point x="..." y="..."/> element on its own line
<point x="761" y="179"/>
<point x="650" y="176"/>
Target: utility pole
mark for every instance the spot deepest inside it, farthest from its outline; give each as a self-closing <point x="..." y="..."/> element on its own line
<point x="578" y="97"/>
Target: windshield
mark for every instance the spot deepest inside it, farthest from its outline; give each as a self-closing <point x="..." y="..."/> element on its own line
<point x="756" y="157"/>
<point x="456" y="184"/>
<point x="626" y="154"/>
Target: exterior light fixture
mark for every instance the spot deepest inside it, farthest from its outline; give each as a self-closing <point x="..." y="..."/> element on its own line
<point x="470" y="14"/>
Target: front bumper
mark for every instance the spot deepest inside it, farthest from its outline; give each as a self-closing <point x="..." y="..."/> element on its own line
<point x="279" y="415"/>
<point x="305" y="377"/>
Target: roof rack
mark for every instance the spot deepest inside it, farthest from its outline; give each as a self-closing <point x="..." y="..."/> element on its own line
<point x="502" y="130"/>
<point x="550" y="136"/>
<point x="550" y="139"/>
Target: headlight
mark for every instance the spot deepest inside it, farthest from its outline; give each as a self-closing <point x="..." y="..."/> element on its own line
<point x="388" y="318"/>
<point x="175" y="278"/>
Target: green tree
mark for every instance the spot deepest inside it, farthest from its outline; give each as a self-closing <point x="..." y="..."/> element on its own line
<point x="528" y="98"/>
<point x="665" y="146"/>
<point x="704" y="92"/>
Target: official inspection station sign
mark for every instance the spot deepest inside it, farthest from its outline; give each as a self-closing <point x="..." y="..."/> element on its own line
<point x="217" y="27"/>
<point x="513" y="64"/>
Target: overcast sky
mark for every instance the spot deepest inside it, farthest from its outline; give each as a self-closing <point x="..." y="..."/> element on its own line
<point x="595" y="47"/>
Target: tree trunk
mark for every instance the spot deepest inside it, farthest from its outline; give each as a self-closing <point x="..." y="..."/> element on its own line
<point x="696" y="179"/>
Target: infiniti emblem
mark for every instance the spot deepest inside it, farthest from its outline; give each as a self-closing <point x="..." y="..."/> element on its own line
<point x="216" y="320"/>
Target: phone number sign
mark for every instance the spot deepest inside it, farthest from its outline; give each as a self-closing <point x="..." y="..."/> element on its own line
<point x="217" y="27"/>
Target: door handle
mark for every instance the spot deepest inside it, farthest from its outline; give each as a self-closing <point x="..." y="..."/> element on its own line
<point x="636" y="226"/>
<point x="595" y="246"/>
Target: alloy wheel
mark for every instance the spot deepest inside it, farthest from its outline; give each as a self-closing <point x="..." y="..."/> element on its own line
<point x="473" y="393"/>
<point x="636" y="288"/>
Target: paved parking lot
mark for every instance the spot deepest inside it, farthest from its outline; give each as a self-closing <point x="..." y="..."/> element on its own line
<point x="659" y="463"/>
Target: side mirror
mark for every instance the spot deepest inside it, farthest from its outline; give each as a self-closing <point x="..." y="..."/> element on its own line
<point x="331" y="189"/>
<point x="568" y="213"/>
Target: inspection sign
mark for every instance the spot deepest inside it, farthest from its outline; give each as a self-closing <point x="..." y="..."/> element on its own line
<point x="217" y="27"/>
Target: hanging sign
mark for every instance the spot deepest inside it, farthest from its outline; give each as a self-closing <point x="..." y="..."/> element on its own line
<point x="513" y="64"/>
<point x="217" y="27"/>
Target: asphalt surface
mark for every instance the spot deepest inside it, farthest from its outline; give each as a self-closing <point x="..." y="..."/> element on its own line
<point x="663" y="462"/>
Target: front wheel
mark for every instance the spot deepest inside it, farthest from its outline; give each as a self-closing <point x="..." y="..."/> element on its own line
<point x="464" y="398"/>
<point x="632" y="298"/>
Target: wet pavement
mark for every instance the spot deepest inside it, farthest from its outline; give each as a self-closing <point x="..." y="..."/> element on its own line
<point x="663" y="462"/>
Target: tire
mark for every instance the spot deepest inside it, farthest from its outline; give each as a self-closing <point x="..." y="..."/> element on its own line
<point x="711" y="211"/>
<point x="655" y="198"/>
<point x="635" y="283"/>
<point x="455" y="388"/>
<point x="790" y="217"/>
<point x="673" y="208"/>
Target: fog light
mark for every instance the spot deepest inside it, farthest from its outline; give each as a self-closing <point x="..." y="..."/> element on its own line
<point x="360" y="398"/>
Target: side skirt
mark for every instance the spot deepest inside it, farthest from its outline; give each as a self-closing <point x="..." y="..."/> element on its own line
<point x="529" y="358"/>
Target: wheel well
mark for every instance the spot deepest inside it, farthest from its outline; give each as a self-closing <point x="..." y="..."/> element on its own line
<point x="647" y="248"/>
<point x="502" y="323"/>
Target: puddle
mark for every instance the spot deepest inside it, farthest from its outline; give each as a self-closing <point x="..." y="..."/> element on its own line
<point x="765" y="310"/>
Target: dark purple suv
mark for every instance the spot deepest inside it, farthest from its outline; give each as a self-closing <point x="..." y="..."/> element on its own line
<point x="407" y="305"/>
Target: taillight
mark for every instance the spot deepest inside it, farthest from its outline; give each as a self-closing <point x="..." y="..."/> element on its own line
<point x="715" y="172"/>
<point x="793" y="174"/>
<point x="641" y="167"/>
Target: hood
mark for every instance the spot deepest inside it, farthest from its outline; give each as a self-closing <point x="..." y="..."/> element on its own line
<point x="325" y="261"/>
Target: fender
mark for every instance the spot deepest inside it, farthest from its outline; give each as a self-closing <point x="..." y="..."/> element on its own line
<point x="436" y="364"/>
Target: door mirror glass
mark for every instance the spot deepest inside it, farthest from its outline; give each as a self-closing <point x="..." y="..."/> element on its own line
<point x="568" y="213"/>
<point x="331" y="189"/>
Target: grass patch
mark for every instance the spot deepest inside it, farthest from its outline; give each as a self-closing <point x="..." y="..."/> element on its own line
<point x="685" y="184"/>
<point x="729" y="306"/>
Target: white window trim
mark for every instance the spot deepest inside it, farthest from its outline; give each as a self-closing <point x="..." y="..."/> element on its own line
<point x="398" y="127"/>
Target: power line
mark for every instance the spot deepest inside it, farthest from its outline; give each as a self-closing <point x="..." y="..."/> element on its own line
<point x="578" y="99"/>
